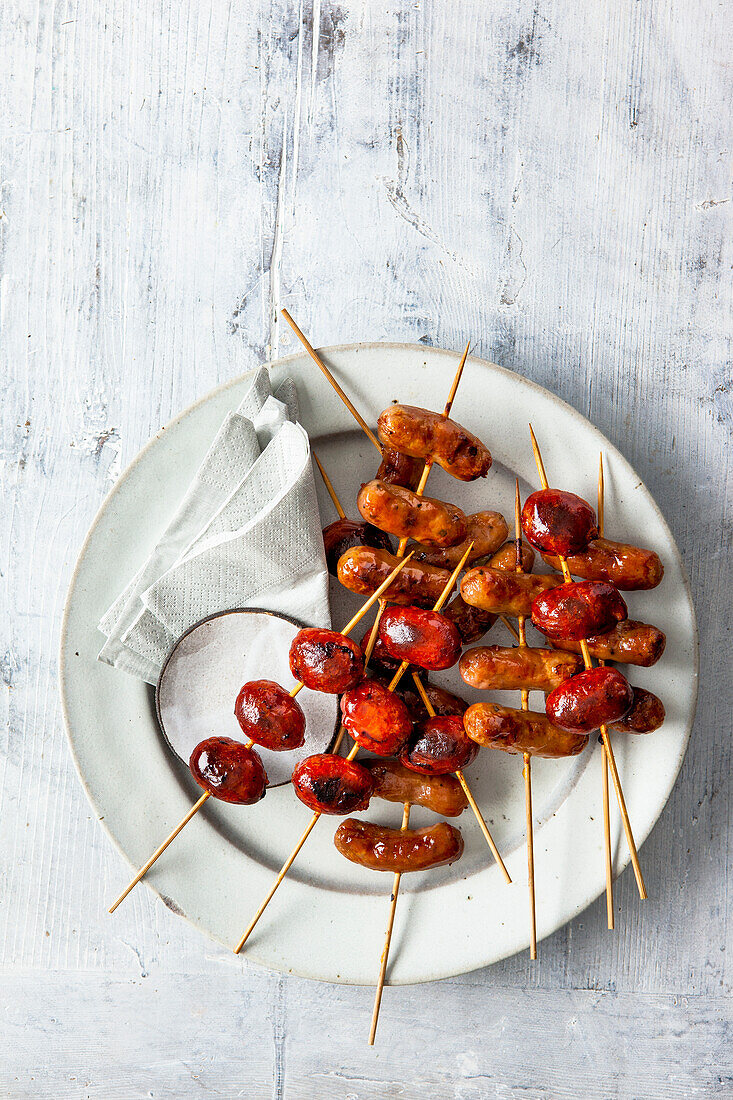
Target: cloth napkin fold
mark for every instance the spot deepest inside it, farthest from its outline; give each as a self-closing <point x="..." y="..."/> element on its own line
<point x="246" y="534"/>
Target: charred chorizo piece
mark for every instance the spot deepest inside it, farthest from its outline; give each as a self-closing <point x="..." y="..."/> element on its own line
<point x="630" y="568"/>
<point x="330" y="784"/>
<point x="443" y="702"/>
<point x="594" y="698"/>
<point x="420" y="636"/>
<point x="422" y="434"/>
<point x="343" y="534"/>
<point x="442" y="794"/>
<point x="439" y="746"/>
<point x="556" y="522"/>
<point x="268" y="716"/>
<point x="325" y="660"/>
<point x="403" y="513"/>
<point x="472" y="622"/>
<point x="520" y="731"/>
<point x="383" y="849"/>
<point x="501" y="668"/>
<point x="578" y="609"/>
<point x="376" y="718"/>
<point x="229" y="770"/>
<point x="646" y="714"/>
<point x="505" y="593"/>
<point x="630" y="642"/>
<point x="363" y="569"/>
<point x="399" y="469"/>
<point x="486" y="530"/>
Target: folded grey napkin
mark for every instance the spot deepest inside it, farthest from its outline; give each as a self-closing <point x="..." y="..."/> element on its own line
<point x="246" y="534"/>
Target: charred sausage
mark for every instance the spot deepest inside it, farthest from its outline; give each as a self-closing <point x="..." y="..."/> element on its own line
<point x="399" y="469"/>
<point x="229" y="770"/>
<point x="520" y="731"/>
<point x="500" y="668"/>
<point x="578" y="609"/>
<point x="376" y="718"/>
<point x="630" y="642"/>
<point x="343" y="534"/>
<point x="594" y="698"/>
<point x="363" y="569"/>
<point x="403" y="513"/>
<point x="421" y="636"/>
<point x="268" y="716"/>
<point x="556" y="522"/>
<point x="439" y="746"/>
<point x="383" y="849"/>
<point x="505" y="593"/>
<point x="425" y="434"/>
<point x="486" y="530"/>
<point x="630" y="568"/>
<point x="330" y="784"/>
<point x="325" y="660"/>
<point x="646" y="714"/>
<point x="442" y="794"/>
<point x="472" y="622"/>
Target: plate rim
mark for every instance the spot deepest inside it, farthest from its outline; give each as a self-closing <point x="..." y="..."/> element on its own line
<point x="622" y="860"/>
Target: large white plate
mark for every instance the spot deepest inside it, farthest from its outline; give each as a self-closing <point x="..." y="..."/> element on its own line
<point x="328" y="919"/>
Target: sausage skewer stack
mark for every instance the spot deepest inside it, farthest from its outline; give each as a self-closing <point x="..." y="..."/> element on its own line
<point x="604" y="757"/>
<point x="605" y="738"/>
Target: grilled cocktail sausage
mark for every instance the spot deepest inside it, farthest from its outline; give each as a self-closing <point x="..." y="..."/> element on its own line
<point x="594" y="698"/>
<point x="442" y="794"/>
<point x="472" y="622"/>
<point x="630" y="642"/>
<point x="401" y="512"/>
<point x="325" y="660"/>
<point x="505" y="593"/>
<point x="399" y="469"/>
<point x="443" y="702"/>
<point x="556" y="522"/>
<point x="439" y="746"/>
<point x="646" y="714"/>
<point x="630" y="568"/>
<point x="383" y="849"/>
<point x="363" y="569"/>
<point x="425" y="434"/>
<point x="486" y="530"/>
<point x="501" y="668"/>
<point x="343" y="534"/>
<point x="330" y="784"/>
<point x="268" y="716"/>
<point x="421" y="636"/>
<point x="578" y="609"/>
<point x="376" y="718"/>
<point x="520" y="731"/>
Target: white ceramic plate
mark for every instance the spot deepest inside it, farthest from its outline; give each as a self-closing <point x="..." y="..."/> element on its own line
<point x="328" y="919"/>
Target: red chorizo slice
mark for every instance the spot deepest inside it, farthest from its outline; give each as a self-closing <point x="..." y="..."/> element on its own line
<point x="383" y="849"/>
<point x="578" y="609"/>
<point x="593" y="698"/>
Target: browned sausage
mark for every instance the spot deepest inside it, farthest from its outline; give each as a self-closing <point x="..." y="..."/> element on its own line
<point x="399" y="469"/>
<point x="425" y="434"/>
<point x="628" y="567"/>
<point x="363" y="569"/>
<point x="630" y="643"/>
<point x="473" y="623"/>
<point x="442" y="794"/>
<point x="499" y="668"/>
<point x="505" y="593"/>
<point x="383" y="849"/>
<point x="594" y="698"/>
<point x="486" y="530"/>
<point x="443" y="702"/>
<point x="520" y="731"/>
<point x="403" y="513"/>
<point x="646" y="715"/>
<point x="578" y="609"/>
<point x="506" y="557"/>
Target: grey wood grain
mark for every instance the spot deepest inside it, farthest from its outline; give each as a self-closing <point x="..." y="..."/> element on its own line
<point x="552" y="180"/>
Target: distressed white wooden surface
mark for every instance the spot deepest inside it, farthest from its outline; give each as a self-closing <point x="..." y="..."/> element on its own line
<point x="550" y="179"/>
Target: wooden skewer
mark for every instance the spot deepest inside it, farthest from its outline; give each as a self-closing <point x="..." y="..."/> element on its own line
<point x="466" y="789"/>
<point x="527" y="769"/>
<point x="605" y="738"/>
<point x="324" y="369"/>
<point x="329" y="487"/>
<point x="604" y="758"/>
<point x="388" y="938"/>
